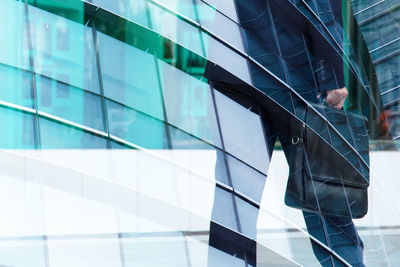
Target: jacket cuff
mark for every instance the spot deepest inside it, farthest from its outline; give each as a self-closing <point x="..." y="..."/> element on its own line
<point x="330" y="76"/>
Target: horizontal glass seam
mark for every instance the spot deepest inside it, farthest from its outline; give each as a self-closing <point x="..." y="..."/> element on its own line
<point x="71" y="123"/>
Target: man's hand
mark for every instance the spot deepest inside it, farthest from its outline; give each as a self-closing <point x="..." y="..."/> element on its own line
<point x="335" y="98"/>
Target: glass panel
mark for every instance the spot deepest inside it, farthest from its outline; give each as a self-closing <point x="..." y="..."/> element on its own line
<point x="242" y="132"/>
<point x="220" y="25"/>
<point x="288" y="240"/>
<point x="184" y="7"/>
<point x="115" y="145"/>
<point x="224" y="211"/>
<point x="63" y="49"/>
<point x="15" y="86"/>
<point x="55" y="135"/>
<point x="134" y="10"/>
<point x="183" y="140"/>
<point x="170" y="26"/>
<point x="198" y="156"/>
<point x="227" y="7"/>
<point x="130" y="76"/>
<point x="14" y="45"/>
<point x="221" y="55"/>
<point x="136" y="127"/>
<point x="189" y="103"/>
<point x="69" y="103"/>
<point x="245" y="179"/>
<point x="248" y="215"/>
<point x="19" y="130"/>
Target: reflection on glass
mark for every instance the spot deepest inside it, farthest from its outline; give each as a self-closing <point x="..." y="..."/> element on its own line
<point x="189" y="103"/>
<point x="246" y="179"/>
<point x="18" y="130"/>
<point x="115" y="145"/>
<point x="15" y="86"/>
<point x="224" y="210"/>
<point x="198" y="156"/>
<point x="69" y="103"/>
<point x="174" y="28"/>
<point x="248" y="215"/>
<point x="134" y="10"/>
<point x="184" y="7"/>
<point x="286" y="239"/>
<point x="55" y="135"/>
<point x="14" y="45"/>
<point x="63" y="49"/>
<point x="136" y="127"/>
<point x="227" y="7"/>
<point x="242" y="132"/>
<point x="221" y="55"/>
<point x="220" y="25"/>
<point x="296" y="56"/>
<point x="130" y="76"/>
<point x="183" y="140"/>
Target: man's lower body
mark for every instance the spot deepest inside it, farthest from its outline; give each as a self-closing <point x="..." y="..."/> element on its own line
<point x="337" y="233"/>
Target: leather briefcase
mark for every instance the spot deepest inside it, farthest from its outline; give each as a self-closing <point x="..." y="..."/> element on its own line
<point x="324" y="177"/>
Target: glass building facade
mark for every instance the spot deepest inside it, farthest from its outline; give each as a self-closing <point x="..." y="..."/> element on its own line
<point x="142" y="133"/>
<point x="378" y="22"/>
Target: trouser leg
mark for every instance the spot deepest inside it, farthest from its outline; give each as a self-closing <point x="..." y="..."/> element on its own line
<point x="339" y="234"/>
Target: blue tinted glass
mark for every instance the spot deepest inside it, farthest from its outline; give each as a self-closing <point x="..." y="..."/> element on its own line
<point x="220" y="54"/>
<point x="55" y="135"/>
<point x="63" y="49"/>
<point x="136" y="127"/>
<point x="184" y="7"/>
<point x="172" y="27"/>
<point x="219" y="24"/>
<point x="221" y="170"/>
<point x="14" y="40"/>
<point x="183" y="140"/>
<point x="69" y="103"/>
<point x="134" y="10"/>
<point x="227" y="7"/>
<point x="115" y="145"/>
<point x="18" y="132"/>
<point x="248" y="215"/>
<point x="224" y="211"/>
<point x="189" y="104"/>
<point x="130" y="76"/>
<point x="242" y="132"/>
<point x="246" y="180"/>
<point x="15" y="86"/>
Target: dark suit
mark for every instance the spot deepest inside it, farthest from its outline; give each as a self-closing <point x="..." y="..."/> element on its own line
<point x="284" y="41"/>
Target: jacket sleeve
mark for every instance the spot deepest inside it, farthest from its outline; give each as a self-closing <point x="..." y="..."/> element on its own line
<point x="328" y="64"/>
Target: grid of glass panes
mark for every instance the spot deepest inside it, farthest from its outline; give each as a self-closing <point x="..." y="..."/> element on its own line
<point x="89" y="90"/>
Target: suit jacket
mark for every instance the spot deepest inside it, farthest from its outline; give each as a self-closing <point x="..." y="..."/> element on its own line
<point x="303" y="46"/>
